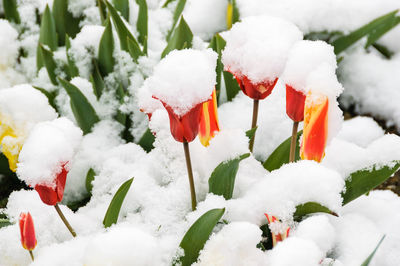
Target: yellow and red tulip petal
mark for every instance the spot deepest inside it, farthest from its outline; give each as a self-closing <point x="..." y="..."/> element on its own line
<point x="52" y="195"/>
<point x="295" y="101"/>
<point x="258" y="91"/>
<point x="27" y="230"/>
<point x="11" y="144"/>
<point x="209" y="120"/>
<point x="315" y="132"/>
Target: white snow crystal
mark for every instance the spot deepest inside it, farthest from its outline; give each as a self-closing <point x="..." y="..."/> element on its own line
<point x="8" y="44"/>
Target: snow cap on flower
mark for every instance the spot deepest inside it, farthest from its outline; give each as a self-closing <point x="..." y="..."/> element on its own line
<point x="48" y="148"/>
<point x="258" y="47"/>
<point x="184" y="79"/>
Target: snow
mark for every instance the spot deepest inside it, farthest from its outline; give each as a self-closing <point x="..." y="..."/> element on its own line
<point x="9" y="43"/>
<point x="49" y="147"/>
<point x="257" y="47"/>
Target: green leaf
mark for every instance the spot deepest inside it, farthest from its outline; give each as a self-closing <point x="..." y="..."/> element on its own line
<point x="147" y="140"/>
<point x="382" y="29"/>
<point x="121" y="117"/>
<point x="222" y="179"/>
<point x="181" y="38"/>
<point x="232" y="13"/>
<point x="112" y="213"/>
<point x="232" y="87"/>
<point x="368" y="260"/>
<point x="218" y="44"/>
<point x="47" y="36"/>
<point x="123" y="7"/>
<point x="11" y="11"/>
<point x="89" y="179"/>
<point x="106" y="50"/>
<point x="364" y="180"/>
<point x="280" y="155"/>
<point x="309" y="208"/>
<point x="73" y="70"/>
<point x="4" y="222"/>
<point x="198" y="234"/>
<point x="49" y="63"/>
<point x="102" y="11"/>
<point x="83" y="111"/>
<point x="96" y="80"/>
<point x="251" y="132"/>
<point x="123" y="32"/>
<point x="50" y="96"/>
<point x="142" y="23"/>
<point x="65" y="22"/>
<point x="346" y="41"/>
<point x="177" y="13"/>
<point x="133" y="49"/>
<point x="167" y="2"/>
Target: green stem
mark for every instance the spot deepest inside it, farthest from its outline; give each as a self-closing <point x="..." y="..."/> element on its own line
<point x="293" y="143"/>
<point x="254" y="123"/>
<point x="190" y="175"/>
<point x="65" y="220"/>
<point x="31" y="253"/>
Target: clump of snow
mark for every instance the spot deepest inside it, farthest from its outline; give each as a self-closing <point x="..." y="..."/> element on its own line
<point x="304" y="57"/>
<point x="49" y="146"/>
<point x="258" y="47"/>
<point x="8" y="44"/>
<point x="184" y="78"/>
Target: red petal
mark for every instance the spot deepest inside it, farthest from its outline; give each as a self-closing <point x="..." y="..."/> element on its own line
<point x="295" y="104"/>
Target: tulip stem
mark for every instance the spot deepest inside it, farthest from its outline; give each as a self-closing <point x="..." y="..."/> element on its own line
<point x="254" y="123"/>
<point x="65" y="220"/>
<point x="190" y="175"/>
<point x="293" y="143"/>
<point x="31" y="253"/>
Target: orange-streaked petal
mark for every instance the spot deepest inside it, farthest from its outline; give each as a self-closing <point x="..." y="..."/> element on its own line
<point x="315" y="130"/>
<point x="209" y="120"/>
<point x="27" y="228"/>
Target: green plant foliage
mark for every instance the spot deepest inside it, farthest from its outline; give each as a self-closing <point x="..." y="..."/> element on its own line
<point x="364" y="180"/>
<point x="106" y="50"/>
<point x="232" y="87"/>
<point x="218" y="44"/>
<point x="50" y="97"/>
<point x="133" y="49"/>
<point x="65" y="22"/>
<point x="147" y="140"/>
<point x="177" y="13"/>
<point x="114" y="208"/>
<point x="142" y="24"/>
<point x="280" y="155"/>
<point x="83" y="111"/>
<point x="232" y="14"/>
<point x="181" y="38"/>
<point x="89" y="179"/>
<point x="198" y="234"/>
<point x="392" y="22"/>
<point x="72" y="69"/>
<point x="222" y="179"/>
<point x="309" y="208"/>
<point x="11" y="11"/>
<point x="251" y="132"/>
<point x="4" y="222"/>
<point x="167" y="2"/>
<point x="47" y="36"/>
<point x="96" y="80"/>
<point x="123" y="7"/>
<point x="368" y="260"/>
<point x="121" y="117"/>
<point x="102" y="10"/>
<point x="49" y="63"/>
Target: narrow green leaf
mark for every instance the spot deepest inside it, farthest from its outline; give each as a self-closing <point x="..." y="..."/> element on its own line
<point x="280" y="155"/>
<point x="222" y="179"/>
<point x="112" y="213"/>
<point x="122" y="30"/>
<point x="49" y="63"/>
<point x="96" y="80"/>
<point x="368" y="260"/>
<point x="65" y="22"/>
<point x="218" y="44"/>
<point x="73" y="70"/>
<point x="197" y="235"/>
<point x="47" y="36"/>
<point x="251" y="132"/>
<point x="121" y="117"/>
<point x="177" y="13"/>
<point x="106" y="50"/>
<point x="4" y="222"/>
<point x="142" y="23"/>
<point x="381" y="30"/>
<point x="102" y="11"/>
<point x="123" y="7"/>
<point x="89" y="179"/>
<point x="11" y="11"/>
<point x="364" y="180"/>
<point x="383" y="50"/>
<point x="147" y="140"/>
<point x="134" y="49"/>
<point x="309" y="208"/>
<point x="231" y="85"/>
<point x="346" y="41"/>
<point x="232" y="13"/>
<point x="50" y="96"/>
<point x="167" y="2"/>
<point x="181" y="38"/>
<point x="83" y="111"/>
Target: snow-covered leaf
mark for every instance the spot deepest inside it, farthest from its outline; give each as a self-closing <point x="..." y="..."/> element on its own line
<point x="133" y="49"/>
<point x="368" y="260"/>
<point x="96" y="80"/>
<point x="72" y="69"/>
<point x="65" y="22"/>
<point x="309" y="208"/>
<point x="142" y="23"/>
<point x="49" y="63"/>
<point x="181" y="38"/>
<point x="50" y="97"/>
<point x="112" y="213"/>
<point x="364" y="180"/>
<point x="222" y="179"/>
<point x="11" y="11"/>
<point x="89" y="179"/>
<point x="217" y="44"/>
<point x="123" y="7"/>
<point x="106" y="49"/>
<point x="47" y="36"/>
<point x="197" y="235"/>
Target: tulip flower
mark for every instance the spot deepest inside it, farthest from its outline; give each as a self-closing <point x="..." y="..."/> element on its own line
<point x="27" y="230"/>
<point x="51" y="195"/>
<point x="315" y="130"/>
<point x="11" y="141"/>
<point x="279" y="231"/>
<point x="209" y="120"/>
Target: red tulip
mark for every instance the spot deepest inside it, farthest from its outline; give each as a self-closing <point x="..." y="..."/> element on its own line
<point x="258" y="91"/>
<point x="277" y="236"/>
<point x="51" y="195"/>
<point x="27" y="229"/>
<point x="295" y="104"/>
<point x="315" y="130"/>
<point x="209" y="120"/>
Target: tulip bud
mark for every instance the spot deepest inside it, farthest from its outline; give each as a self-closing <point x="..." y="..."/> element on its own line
<point x="258" y="91"/>
<point x="279" y="230"/>
<point x="295" y="104"/>
<point x="51" y="195"/>
<point x="27" y="229"/>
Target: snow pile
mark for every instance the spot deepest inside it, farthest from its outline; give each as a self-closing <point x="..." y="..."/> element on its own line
<point x="49" y="147"/>
<point x="8" y="44"/>
<point x="184" y="79"/>
<point x="258" y="47"/>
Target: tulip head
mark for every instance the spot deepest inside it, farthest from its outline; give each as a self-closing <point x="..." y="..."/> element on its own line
<point x="27" y="229"/>
<point x="11" y="142"/>
<point x="295" y="101"/>
<point x="315" y="131"/>
<point x="51" y="195"/>
<point x="258" y="91"/>
<point x="209" y="120"/>
<point x="279" y="230"/>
